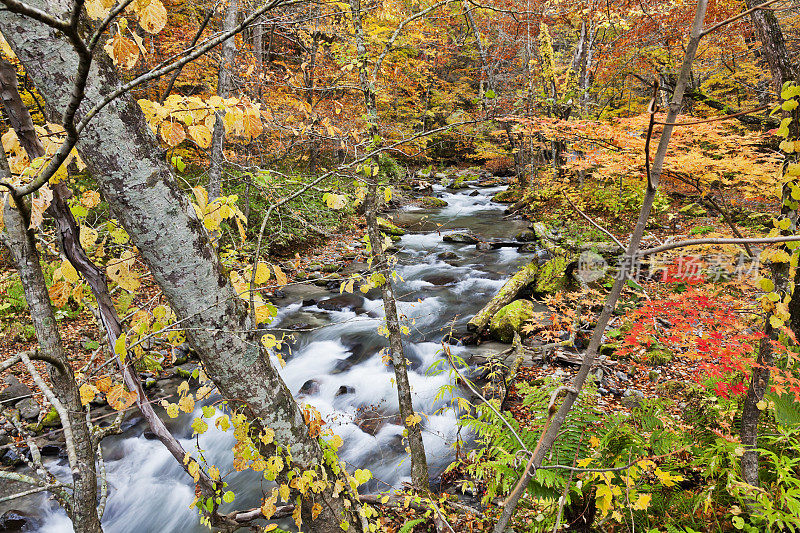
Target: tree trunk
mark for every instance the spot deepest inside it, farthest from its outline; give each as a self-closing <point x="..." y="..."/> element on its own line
<point x="144" y="196"/>
<point x="69" y="240"/>
<point x="224" y="86"/>
<point x="22" y="244"/>
<point x="773" y="48"/>
<point x="552" y="429"/>
<point x="419" y="464"/>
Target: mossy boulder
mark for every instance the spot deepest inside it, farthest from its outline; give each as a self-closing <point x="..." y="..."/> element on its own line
<point x="390" y="229"/>
<point x="432" y="202"/>
<point x="507" y="196"/>
<point x="552" y="276"/>
<point x="510" y="319"/>
<point x="658" y="356"/>
<point x="459" y="183"/>
<point x="693" y="210"/>
<point x="51" y="419"/>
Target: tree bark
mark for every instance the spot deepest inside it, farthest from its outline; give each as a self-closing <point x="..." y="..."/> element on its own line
<point x="224" y="86"/>
<point x="144" y="196"/>
<point x="22" y="244"/>
<point x="419" y="463"/>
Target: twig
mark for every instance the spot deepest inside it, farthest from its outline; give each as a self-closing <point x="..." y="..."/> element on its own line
<point x="592" y="222"/>
<point x="60" y="409"/>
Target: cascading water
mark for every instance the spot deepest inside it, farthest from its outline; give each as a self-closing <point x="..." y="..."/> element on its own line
<point x="336" y="367"/>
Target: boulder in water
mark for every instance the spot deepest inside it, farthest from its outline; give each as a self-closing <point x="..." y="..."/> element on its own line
<point x="461" y="238"/>
<point x="309" y="387"/>
<point x="342" y="302"/>
<point x="344" y="389"/>
<point x="432" y="202"/>
<point x="440" y="280"/>
<point x="13" y="521"/>
<point x="508" y="196"/>
<point x="527" y="235"/>
<point x="510" y="319"/>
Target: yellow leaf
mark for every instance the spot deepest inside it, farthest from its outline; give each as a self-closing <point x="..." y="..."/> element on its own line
<point x="87" y="392"/>
<point x="153" y="17"/>
<point x="594" y="441"/>
<point x="186" y="404"/>
<point x="413" y="420"/>
<point x="201" y="195"/>
<point x="262" y="272"/>
<point x="284" y="492"/>
<point x="69" y="272"/>
<point x="201" y="135"/>
<point x="123" y="51"/>
<point x="279" y="275"/>
<point x="119" y="399"/>
<point x="172" y="133"/>
<point x="104" y="384"/>
<point x="59" y="293"/>
<point x="88" y="237"/>
<point x="39" y="205"/>
<point x="643" y="502"/>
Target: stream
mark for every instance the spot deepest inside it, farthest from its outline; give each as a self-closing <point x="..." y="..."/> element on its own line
<point x="336" y="368"/>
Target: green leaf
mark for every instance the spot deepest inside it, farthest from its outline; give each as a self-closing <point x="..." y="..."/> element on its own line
<point x="208" y="411"/>
<point x="491" y="94"/>
<point x="228" y="496"/>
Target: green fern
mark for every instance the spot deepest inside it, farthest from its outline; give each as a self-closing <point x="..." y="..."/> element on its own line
<point x="787" y="409"/>
<point x="497" y="463"/>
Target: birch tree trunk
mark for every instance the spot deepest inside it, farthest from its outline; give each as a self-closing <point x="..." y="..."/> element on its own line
<point x="69" y="240"/>
<point x="144" y="196"/>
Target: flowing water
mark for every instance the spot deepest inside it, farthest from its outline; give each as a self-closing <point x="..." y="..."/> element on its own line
<point x="336" y="368"/>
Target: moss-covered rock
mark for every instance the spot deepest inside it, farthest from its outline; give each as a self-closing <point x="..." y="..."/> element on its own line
<point x="431" y="202"/>
<point x="693" y="210"/>
<point x="459" y="183"/>
<point x="51" y="419"/>
<point x="657" y="356"/>
<point x="510" y="319"/>
<point x="507" y="196"/>
<point x="390" y="229"/>
<point x="552" y="276"/>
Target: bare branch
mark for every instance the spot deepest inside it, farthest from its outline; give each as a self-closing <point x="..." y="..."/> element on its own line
<point x="60" y="409"/>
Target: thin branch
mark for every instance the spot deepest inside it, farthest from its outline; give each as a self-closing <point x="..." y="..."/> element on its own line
<point x="737" y="17"/>
<point x="60" y="409"/>
<point x="713" y="240"/>
<point x="592" y="222"/>
<point x="31" y="491"/>
<point x="474" y="391"/>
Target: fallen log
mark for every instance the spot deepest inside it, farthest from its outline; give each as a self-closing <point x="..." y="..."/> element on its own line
<point x="524" y="277"/>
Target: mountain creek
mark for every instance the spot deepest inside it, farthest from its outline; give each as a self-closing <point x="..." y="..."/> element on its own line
<point x="334" y="364"/>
